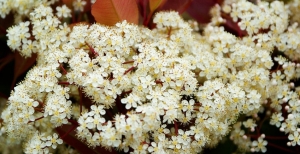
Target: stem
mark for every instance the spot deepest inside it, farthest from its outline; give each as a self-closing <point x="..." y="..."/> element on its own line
<point x="92" y="49"/>
<point x="38" y="109"/>
<point x="276" y="137"/>
<point x="128" y="62"/>
<point x="269" y="137"/>
<point x="281" y="148"/>
<point x="176" y="127"/>
<point x="260" y="125"/>
<point x="130" y="69"/>
<point x="37" y="119"/>
<point x="63" y="69"/>
<point x="63" y="82"/>
<point x="169" y="32"/>
<point x="80" y="101"/>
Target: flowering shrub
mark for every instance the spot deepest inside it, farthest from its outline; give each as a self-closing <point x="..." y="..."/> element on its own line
<point x="165" y="87"/>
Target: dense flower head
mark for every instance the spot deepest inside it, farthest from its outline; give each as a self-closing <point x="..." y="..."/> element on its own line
<point x="20" y="7"/>
<point x="165" y="90"/>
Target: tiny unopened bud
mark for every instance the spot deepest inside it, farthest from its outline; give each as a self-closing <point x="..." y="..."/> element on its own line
<point x="274" y="82"/>
<point x="220" y="19"/>
<point x="295" y="24"/>
<point x="281" y="129"/>
<point x="285" y="100"/>
<point x="258" y="45"/>
<point x="252" y="150"/>
<point x="286" y="107"/>
<point x="288" y="144"/>
<point x="210" y="28"/>
<point x="252" y="129"/>
<point x="245" y="137"/>
<point x="263" y="135"/>
<point x="255" y="115"/>
<point x="268" y="112"/>
<point x="291" y="116"/>
<point x="292" y="85"/>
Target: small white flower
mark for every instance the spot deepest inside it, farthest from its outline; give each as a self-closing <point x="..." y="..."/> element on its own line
<point x="260" y="145"/>
<point x="63" y="11"/>
<point x="295" y="138"/>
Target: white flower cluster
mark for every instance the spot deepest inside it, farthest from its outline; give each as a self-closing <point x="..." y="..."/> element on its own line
<point x="38" y="143"/>
<point x="21" y="8"/>
<point x="269" y="29"/>
<point x="166" y="90"/>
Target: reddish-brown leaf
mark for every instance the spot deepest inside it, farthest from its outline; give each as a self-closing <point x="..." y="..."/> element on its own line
<point x="143" y="7"/>
<point x="109" y="12"/>
<point x="5" y="60"/>
<point x="22" y="65"/>
<point x="175" y="5"/>
<point x="68" y="3"/>
<point x="154" y="4"/>
<point x="71" y="140"/>
<point x="199" y="9"/>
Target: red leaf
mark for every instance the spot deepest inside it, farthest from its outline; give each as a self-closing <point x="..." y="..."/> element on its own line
<point x="175" y="5"/>
<point x="22" y="65"/>
<point x="199" y="9"/>
<point x="73" y="141"/>
<point x="5" y="60"/>
<point x="109" y="12"/>
<point x="81" y="147"/>
<point x="154" y="4"/>
<point x="143" y="7"/>
<point x="69" y="3"/>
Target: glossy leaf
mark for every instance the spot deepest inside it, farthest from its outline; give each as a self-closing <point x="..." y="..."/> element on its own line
<point x="81" y="147"/>
<point x="199" y="9"/>
<point x="22" y="65"/>
<point x="5" y="60"/>
<point x="69" y="3"/>
<point x="154" y="4"/>
<point x="71" y="140"/>
<point x="143" y="7"/>
<point x="109" y="12"/>
<point x="175" y="5"/>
